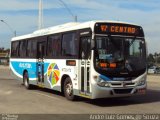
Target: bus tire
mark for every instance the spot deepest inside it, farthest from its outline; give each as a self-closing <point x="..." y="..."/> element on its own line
<point x="26" y="80"/>
<point x="68" y="89"/>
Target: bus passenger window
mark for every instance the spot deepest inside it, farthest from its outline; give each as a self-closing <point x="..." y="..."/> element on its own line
<point x="69" y="45"/>
<point x="15" y="47"/>
<point x="54" y="46"/>
<point x="31" y="48"/>
<point x="85" y="47"/>
<point x="22" y="48"/>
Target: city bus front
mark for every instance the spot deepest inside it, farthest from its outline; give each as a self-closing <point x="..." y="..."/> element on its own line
<point x="119" y="60"/>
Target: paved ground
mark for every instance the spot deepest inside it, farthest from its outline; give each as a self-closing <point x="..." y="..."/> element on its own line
<point x="154" y="82"/>
<point x="14" y="98"/>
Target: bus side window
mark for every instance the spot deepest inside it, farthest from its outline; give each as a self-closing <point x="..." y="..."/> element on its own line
<point x="15" y="49"/>
<point x="31" y="48"/>
<point x="69" y="45"/>
<point x="22" y="48"/>
<point x="54" y="46"/>
<point x="85" y="47"/>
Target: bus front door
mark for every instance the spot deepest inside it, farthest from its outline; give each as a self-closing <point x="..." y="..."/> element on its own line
<point x="40" y="62"/>
<point x="85" y="65"/>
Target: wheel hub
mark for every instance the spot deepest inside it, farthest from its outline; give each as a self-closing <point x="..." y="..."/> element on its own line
<point x="69" y="89"/>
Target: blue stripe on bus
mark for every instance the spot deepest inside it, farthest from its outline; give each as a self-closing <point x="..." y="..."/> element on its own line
<point x="104" y="78"/>
<point x="31" y="67"/>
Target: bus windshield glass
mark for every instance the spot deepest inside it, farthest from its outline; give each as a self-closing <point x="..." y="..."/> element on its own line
<point x="120" y="56"/>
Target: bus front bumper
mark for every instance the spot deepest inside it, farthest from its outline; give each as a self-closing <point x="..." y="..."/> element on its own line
<point x="107" y="92"/>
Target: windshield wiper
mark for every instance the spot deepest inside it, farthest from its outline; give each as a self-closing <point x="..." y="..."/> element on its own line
<point x="132" y="41"/>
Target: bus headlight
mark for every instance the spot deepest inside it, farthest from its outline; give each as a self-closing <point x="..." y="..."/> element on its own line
<point x="102" y="82"/>
<point x="142" y="81"/>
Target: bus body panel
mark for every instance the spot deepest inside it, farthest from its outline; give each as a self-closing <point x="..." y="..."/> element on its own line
<point x="57" y="67"/>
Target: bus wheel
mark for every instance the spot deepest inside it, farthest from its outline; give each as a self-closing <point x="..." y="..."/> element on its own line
<point x="26" y="80"/>
<point x="68" y="89"/>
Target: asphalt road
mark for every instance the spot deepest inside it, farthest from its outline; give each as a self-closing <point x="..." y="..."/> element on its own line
<point x="15" y="99"/>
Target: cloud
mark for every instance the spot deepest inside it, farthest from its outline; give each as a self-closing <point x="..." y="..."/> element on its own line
<point x="22" y="15"/>
<point x="6" y="5"/>
<point x="24" y="5"/>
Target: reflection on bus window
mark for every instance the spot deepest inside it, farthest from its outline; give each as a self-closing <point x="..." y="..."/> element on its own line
<point x="69" y="47"/>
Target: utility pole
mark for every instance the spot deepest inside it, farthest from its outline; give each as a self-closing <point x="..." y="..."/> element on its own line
<point x="69" y="11"/>
<point x="75" y="18"/>
<point x="40" y="18"/>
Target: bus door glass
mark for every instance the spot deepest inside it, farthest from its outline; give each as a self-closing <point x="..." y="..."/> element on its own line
<point x="85" y="56"/>
<point x="41" y="48"/>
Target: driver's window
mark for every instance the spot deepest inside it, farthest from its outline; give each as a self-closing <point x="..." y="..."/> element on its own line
<point x="85" y="51"/>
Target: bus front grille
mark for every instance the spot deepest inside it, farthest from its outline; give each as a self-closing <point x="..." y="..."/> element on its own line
<point x="121" y="84"/>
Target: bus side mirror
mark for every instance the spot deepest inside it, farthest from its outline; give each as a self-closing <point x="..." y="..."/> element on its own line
<point x="92" y="44"/>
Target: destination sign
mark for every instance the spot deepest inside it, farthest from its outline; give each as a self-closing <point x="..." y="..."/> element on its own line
<point x="118" y="29"/>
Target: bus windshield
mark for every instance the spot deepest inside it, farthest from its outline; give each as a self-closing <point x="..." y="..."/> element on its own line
<point x="120" y="56"/>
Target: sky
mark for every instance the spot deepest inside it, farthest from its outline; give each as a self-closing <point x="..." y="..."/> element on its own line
<point x="22" y="16"/>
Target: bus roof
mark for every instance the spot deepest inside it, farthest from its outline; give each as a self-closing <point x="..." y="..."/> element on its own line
<point x="64" y="28"/>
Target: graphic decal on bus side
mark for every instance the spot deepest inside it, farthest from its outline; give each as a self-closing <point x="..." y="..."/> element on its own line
<point x="19" y="67"/>
<point x="53" y="74"/>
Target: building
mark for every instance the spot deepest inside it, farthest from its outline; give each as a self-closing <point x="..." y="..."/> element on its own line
<point x="4" y="58"/>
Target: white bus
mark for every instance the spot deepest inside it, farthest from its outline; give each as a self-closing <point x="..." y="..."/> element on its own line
<point x="95" y="59"/>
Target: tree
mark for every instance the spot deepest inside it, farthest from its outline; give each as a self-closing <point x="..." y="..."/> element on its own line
<point x="2" y="49"/>
<point x="150" y="58"/>
<point x="155" y="57"/>
<point x="158" y="60"/>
